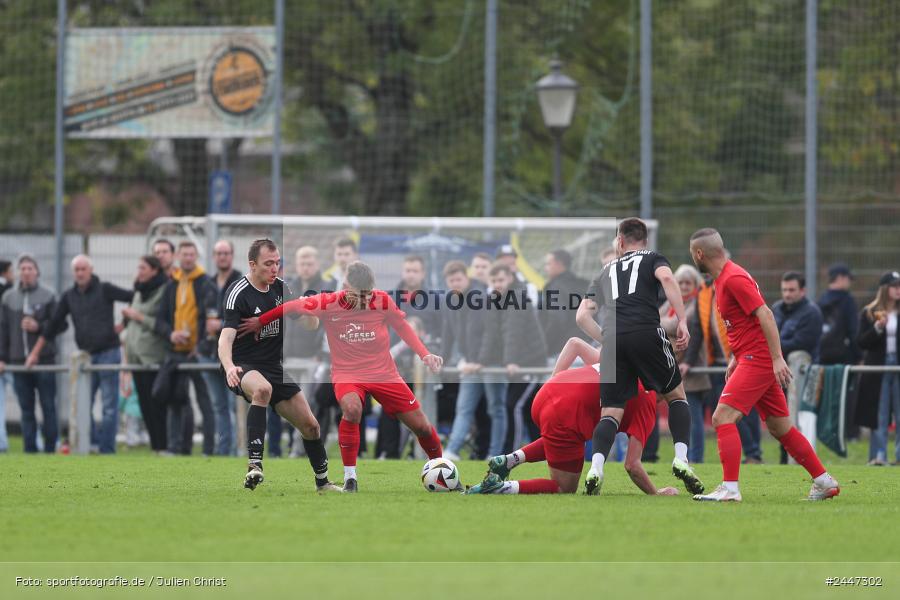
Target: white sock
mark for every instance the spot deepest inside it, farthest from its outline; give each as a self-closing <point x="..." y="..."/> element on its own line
<point x="597" y="461"/>
<point x="731" y="486"/>
<point x="515" y="459"/>
<point x="681" y="451"/>
<point x="349" y="473"/>
<point x="509" y="487"/>
<point x="824" y="479"/>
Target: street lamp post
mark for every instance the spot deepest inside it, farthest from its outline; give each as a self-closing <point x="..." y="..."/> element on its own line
<point x="556" y="95"/>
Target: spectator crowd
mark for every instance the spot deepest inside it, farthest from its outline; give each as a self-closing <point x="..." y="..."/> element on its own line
<point x="173" y="314"/>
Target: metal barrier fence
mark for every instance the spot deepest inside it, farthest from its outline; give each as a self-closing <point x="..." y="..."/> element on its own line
<point x="80" y="370"/>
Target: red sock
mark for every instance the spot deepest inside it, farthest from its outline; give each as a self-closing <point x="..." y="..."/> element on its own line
<point x="348" y="440"/>
<point x="538" y="486"/>
<point x="534" y="452"/>
<point x="802" y="451"/>
<point x="431" y="444"/>
<point x="729" y="441"/>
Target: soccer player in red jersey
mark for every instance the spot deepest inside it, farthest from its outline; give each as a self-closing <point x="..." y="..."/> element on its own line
<point x="566" y="410"/>
<point x="356" y="321"/>
<point x="756" y="374"/>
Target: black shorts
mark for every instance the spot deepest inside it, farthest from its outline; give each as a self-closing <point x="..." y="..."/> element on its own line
<point x="283" y="386"/>
<point x="646" y="355"/>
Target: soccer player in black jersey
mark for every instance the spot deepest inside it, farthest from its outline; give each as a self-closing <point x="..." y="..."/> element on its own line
<point x="636" y="345"/>
<point x="253" y="364"/>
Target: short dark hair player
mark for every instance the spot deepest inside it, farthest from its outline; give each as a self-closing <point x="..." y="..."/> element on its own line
<point x="637" y="346"/>
<point x="253" y="364"/>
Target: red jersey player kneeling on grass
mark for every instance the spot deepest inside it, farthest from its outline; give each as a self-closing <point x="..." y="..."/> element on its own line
<point x="567" y="409"/>
<point x="356" y="321"/>
<point x="755" y="376"/>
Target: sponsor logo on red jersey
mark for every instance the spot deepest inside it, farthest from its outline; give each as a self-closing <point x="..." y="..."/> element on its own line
<point x="354" y="334"/>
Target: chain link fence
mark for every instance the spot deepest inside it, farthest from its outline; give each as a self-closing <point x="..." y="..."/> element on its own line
<point x="382" y="114"/>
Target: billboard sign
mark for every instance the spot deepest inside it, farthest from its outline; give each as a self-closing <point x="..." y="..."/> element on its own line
<point x="164" y="82"/>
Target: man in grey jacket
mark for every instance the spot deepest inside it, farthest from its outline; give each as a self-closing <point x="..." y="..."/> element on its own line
<point x="25" y="313"/>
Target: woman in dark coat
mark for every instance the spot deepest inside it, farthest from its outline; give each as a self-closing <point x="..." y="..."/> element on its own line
<point x="879" y="394"/>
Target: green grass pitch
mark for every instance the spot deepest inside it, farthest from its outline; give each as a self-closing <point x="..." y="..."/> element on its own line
<point x="141" y="509"/>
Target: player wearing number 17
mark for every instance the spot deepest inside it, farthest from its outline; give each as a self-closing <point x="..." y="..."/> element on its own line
<point x="756" y="374"/>
<point x="635" y="346"/>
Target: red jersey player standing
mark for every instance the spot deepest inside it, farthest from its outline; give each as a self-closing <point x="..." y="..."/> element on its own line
<point x="755" y="375"/>
<point x="566" y="410"/>
<point x="356" y="321"/>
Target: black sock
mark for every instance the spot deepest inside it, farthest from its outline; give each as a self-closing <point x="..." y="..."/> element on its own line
<point x="680" y="421"/>
<point x="318" y="459"/>
<point x="604" y="436"/>
<point x="256" y="432"/>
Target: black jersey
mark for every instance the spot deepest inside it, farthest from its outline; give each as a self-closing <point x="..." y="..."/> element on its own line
<point x="628" y="289"/>
<point x="242" y="301"/>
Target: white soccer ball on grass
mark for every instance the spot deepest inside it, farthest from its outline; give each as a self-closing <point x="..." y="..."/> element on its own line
<point x="440" y="475"/>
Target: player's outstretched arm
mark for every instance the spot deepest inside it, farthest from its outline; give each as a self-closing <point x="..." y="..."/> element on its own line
<point x="308" y="306"/>
<point x="575" y="348"/>
<point x="585" y="319"/>
<point x="636" y="471"/>
<point x="673" y="295"/>
<point x="770" y="331"/>
<point x="408" y="335"/>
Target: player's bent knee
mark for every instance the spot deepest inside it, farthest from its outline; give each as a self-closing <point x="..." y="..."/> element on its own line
<point x="262" y="394"/>
<point x="676" y="394"/>
<point x="310" y="430"/>
<point x="567" y="481"/>
<point x="351" y="410"/>
<point x="778" y="427"/>
<point x="725" y="417"/>
<point x="718" y="421"/>
<point x="613" y="411"/>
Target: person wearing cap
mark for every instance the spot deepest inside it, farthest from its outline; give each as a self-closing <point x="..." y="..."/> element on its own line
<point x="879" y="393"/>
<point x="508" y="256"/>
<point x="839" y="319"/>
<point x="25" y="313"/>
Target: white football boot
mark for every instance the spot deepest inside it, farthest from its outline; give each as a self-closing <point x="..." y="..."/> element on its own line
<point x="720" y="494"/>
<point x="824" y="492"/>
<point x="592" y="483"/>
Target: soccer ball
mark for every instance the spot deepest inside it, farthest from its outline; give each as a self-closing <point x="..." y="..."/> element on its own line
<point x="440" y="475"/>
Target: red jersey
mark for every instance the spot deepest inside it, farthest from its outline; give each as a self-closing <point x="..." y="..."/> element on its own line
<point x="578" y="390"/>
<point x="359" y="339"/>
<point x="737" y="296"/>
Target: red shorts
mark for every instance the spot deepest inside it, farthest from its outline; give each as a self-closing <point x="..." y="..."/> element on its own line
<point x="563" y="442"/>
<point x="752" y="385"/>
<point x="394" y="396"/>
<point x="640" y="415"/>
<point x="565" y="430"/>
